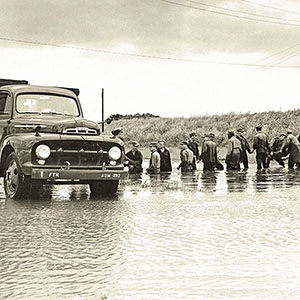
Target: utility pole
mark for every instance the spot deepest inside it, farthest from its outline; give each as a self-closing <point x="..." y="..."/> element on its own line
<point x="102" y="96"/>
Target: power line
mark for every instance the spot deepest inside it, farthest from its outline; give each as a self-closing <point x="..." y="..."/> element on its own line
<point x="276" y="54"/>
<point x="228" y="14"/>
<point x="140" y="55"/>
<point x="281" y="60"/>
<point x="226" y="9"/>
<point x="241" y="12"/>
<point x="272" y="7"/>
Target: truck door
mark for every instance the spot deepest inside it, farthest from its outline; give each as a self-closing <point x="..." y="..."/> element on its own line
<point x="5" y="113"/>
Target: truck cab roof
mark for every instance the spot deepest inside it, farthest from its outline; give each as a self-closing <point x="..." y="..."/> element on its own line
<point x="20" y="89"/>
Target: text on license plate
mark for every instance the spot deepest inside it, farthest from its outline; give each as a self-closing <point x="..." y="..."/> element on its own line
<point x="109" y="175"/>
<point x="53" y="175"/>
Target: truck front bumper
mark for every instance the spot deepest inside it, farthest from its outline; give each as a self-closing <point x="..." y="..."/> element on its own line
<point x="77" y="175"/>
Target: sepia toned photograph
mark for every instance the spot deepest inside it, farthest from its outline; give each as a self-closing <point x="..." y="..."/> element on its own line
<point x="150" y="149"/>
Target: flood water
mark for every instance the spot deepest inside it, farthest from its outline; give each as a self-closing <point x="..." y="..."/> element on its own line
<point x="214" y="235"/>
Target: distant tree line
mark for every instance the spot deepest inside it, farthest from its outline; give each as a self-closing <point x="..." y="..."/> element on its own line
<point x="116" y="117"/>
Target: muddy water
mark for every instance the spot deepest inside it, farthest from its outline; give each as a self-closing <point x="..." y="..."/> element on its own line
<point x="200" y="236"/>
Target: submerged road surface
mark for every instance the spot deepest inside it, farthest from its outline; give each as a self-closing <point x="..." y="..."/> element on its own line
<point x="205" y="236"/>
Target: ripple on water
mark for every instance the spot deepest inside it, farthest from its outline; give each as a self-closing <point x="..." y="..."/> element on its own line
<point x="215" y="235"/>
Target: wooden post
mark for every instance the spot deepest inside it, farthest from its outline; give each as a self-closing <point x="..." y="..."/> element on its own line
<point x="102" y="109"/>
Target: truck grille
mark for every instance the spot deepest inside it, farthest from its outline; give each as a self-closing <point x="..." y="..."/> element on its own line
<point x="77" y="153"/>
<point x="81" y="130"/>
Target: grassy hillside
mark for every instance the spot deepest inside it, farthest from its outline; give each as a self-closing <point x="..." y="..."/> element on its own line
<point x="175" y="130"/>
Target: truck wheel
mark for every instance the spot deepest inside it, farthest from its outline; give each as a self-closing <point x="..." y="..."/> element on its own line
<point x="15" y="183"/>
<point x="104" y="187"/>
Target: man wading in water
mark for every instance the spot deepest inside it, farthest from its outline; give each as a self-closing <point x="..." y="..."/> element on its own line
<point x="292" y="147"/>
<point x="276" y="148"/>
<point x="186" y="157"/>
<point x="135" y="159"/>
<point x="154" y="164"/>
<point x="234" y="150"/>
<point x="261" y="145"/>
<point x="245" y="147"/>
<point x="194" y="147"/>
<point x="165" y="157"/>
<point x="209" y="153"/>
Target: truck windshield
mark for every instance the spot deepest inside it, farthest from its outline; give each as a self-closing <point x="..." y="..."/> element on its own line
<point x="46" y="104"/>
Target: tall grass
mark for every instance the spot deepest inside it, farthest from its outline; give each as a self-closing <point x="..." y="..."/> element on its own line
<point x="175" y="130"/>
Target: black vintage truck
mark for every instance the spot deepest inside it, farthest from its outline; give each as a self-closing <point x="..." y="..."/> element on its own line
<point x="45" y="139"/>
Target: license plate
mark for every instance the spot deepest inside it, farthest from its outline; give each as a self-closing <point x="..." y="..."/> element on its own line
<point x="53" y="175"/>
<point x="110" y="175"/>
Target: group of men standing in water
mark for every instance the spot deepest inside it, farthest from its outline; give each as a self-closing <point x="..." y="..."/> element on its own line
<point x="238" y="148"/>
<point x="160" y="160"/>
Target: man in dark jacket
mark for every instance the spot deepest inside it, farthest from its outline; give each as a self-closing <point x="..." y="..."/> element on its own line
<point x="261" y="145"/>
<point x="277" y="145"/>
<point x="186" y="157"/>
<point x="234" y="149"/>
<point x="135" y="159"/>
<point x="245" y="147"/>
<point x="292" y="147"/>
<point x="194" y="146"/>
<point x="165" y="157"/>
<point x="209" y="153"/>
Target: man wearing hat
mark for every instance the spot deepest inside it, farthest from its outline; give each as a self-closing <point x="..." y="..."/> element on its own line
<point x="234" y="150"/>
<point x="209" y="153"/>
<point x="245" y="147"/>
<point x="193" y="145"/>
<point x="154" y="164"/>
<point x="292" y="147"/>
<point x="135" y="159"/>
<point x="165" y="157"/>
<point x="186" y="157"/>
<point x="262" y="147"/>
<point x="276" y="148"/>
<point x="117" y="133"/>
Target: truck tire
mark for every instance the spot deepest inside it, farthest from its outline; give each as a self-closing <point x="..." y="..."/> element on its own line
<point x="104" y="187"/>
<point x="15" y="183"/>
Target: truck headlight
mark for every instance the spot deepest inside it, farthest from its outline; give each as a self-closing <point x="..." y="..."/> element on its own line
<point x="114" y="153"/>
<point x="42" y="151"/>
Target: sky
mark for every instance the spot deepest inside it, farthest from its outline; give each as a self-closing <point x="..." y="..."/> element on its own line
<point x="165" y="57"/>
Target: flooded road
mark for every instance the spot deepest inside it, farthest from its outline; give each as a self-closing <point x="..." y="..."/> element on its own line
<point x="216" y="235"/>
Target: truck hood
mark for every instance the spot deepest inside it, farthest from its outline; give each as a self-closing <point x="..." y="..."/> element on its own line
<point x="54" y="124"/>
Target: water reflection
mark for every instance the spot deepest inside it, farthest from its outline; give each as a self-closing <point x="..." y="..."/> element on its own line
<point x="14" y="205"/>
<point x="277" y="178"/>
<point x="62" y="248"/>
<point x="172" y="236"/>
<point x="292" y="177"/>
<point x="237" y="181"/>
<point x="262" y="180"/>
<point x="165" y="176"/>
<point x="135" y="177"/>
<point x="250" y="180"/>
<point x="209" y="181"/>
<point x="189" y="180"/>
